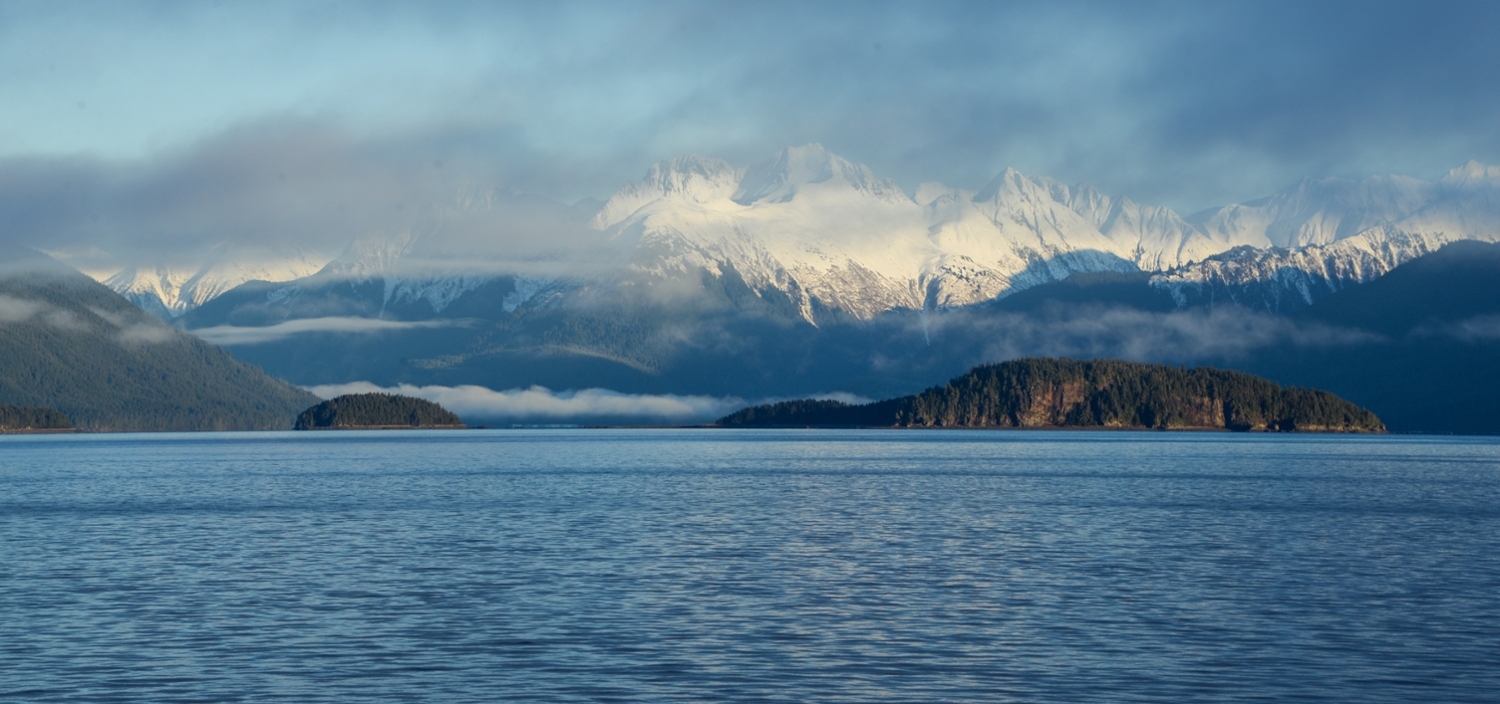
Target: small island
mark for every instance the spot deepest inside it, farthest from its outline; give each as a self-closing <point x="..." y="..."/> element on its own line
<point x="33" y="419"/>
<point x="1068" y="393"/>
<point x="376" y="412"/>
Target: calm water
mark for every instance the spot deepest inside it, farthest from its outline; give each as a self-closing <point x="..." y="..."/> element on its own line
<point x="575" y="565"/>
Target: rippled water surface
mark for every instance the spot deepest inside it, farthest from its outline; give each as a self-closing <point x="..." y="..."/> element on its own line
<point x="615" y="565"/>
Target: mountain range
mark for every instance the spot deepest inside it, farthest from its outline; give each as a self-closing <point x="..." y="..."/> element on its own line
<point x="808" y="273"/>
<point x="832" y="239"/>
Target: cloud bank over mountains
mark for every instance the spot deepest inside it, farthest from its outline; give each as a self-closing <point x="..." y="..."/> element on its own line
<point x="826" y="235"/>
<point x="276" y="185"/>
<point x="144" y="128"/>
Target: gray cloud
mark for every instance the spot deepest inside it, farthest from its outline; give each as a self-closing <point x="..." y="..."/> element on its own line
<point x="1178" y="104"/>
<point x="1482" y="328"/>
<point x="275" y="183"/>
<point x="352" y="120"/>
<point x="230" y="335"/>
<point x="131" y="329"/>
<point x="15" y="310"/>
<point x="149" y="333"/>
<point x="137" y="329"/>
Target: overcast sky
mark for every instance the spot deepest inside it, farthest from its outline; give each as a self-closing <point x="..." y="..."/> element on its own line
<point x="201" y="108"/>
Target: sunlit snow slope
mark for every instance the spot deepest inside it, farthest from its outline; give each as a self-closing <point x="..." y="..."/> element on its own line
<point x="835" y="239"/>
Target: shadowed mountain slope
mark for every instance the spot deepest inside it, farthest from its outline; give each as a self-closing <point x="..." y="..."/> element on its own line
<point x="1429" y="363"/>
<point x="69" y="343"/>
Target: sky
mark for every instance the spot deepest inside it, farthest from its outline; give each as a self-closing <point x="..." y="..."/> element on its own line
<point x="170" y="120"/>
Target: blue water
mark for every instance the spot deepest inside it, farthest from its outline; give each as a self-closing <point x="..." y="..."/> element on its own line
<point x="582" y="565"/>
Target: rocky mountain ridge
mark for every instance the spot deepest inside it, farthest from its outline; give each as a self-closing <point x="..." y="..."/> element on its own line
<point x="1326" y="234"/>
<point x="833" y="239"/>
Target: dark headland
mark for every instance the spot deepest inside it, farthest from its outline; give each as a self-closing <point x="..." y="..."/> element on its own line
<point x="376" y="412"/>
<point x="1066" y="393"/>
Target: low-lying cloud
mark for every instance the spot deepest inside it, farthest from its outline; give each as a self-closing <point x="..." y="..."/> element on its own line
<point x="1483" y="328"/>
<point x="130" y="329"/>
<point x="541" y="405"/>
<point x="147" y="333"/>
<point x="229" y="335"/>
<point x="16" y="310"/>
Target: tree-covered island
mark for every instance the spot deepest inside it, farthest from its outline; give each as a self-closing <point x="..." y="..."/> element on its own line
<point x="376" y="411"/>
<point x="1067" y="393"/>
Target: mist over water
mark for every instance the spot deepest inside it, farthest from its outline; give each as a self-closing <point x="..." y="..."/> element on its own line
<point x="745" y="565"/>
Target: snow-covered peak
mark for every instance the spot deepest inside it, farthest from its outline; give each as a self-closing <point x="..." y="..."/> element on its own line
<point x="1317" y="211"/>
<point x="690" y="178"/>
<point x="1088" y="201"/>
<point x="370" y="256"/>
<point x="931" y="191"/>
<point x="1471" y="174"/>
<point x="1006" y="185"/>
<point x="827" y="234"/>
<point x="170" y="288"/>
<point x="797" y="168"/>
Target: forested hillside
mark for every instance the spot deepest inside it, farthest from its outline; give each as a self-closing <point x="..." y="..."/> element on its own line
<point x="1042" y="393"/>
<point x="69" y="343"/>
<point x="32" y="418"/>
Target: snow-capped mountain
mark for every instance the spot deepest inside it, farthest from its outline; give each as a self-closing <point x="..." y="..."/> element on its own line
<point x="510" y="243"/>
<point x="1320" y="236"/>
<point x="409" y="276"/>
<point x="808" y="272"/>
<point x="835" y="239"/>
<point x="168" y="290"/>
<point x="832" y="235"/>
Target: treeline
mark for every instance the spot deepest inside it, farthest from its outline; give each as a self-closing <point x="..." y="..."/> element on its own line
<point x="1066" y="393"/>
<point x="32" y="418"/>
<point x="376" y="411"/>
